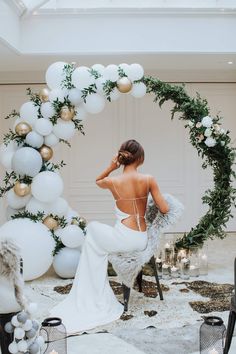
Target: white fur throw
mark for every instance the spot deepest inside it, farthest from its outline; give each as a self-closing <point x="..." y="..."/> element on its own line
<point x="10" y="268"/>
<point x="128" y="265"/>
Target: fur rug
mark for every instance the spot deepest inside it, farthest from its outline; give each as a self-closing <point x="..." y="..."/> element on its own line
<point x="128" y="265"/>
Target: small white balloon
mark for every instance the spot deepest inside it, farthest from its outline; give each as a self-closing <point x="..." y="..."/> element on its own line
<point x="95" y="103"/>
<point x="80" y="113"/>
<point x="55" y="74"/>
<point x="60" y="207"/>
<point x="27" y="325"/>
<point x="71" y="214"/>
<point x="34" y="206"/>
<point x="139" y="90"/>
<point x="75" y="96"/>
<point x="82" y="78"/>
<point x="111" y="73"/>
<point x="125" y="67"/>
<point x="17" y="121"/>
<point x="13" y="348"/>
<point x="29" y="113"/>
<point x="99" y="68"/>
<point x="16" y="202"/>
<point x="66" y="262"/>
<point x="34" y="139"/>
<point x="115" y="94"/>
<point x="51" y="140"/>
<point x="58" y="94"/>
<point x="22" y="346"/>
<point x="47" y="186"/>
<point x="27" y="161"/>
<point x="43" y="126"/>
<point x="40" y="341"/>
<point x="14" y="319"/>
<point x="135" y="72"/>
<point x="47" y="110"/>
<point x="64" y="130"/>
<point x="19" y="333"/>
<point x="71" y="236"/>
<point x="100" y="82"/>
<point x="32" y="308"/>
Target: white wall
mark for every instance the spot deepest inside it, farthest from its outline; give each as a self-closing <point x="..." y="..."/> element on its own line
<point x="169" y="156"/>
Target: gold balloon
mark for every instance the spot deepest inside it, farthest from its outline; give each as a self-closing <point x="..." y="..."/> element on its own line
<point x="22" y="129"/>
<point x="124" y="85"/>
<point x="44" y="94"/>
<point x="67" y="113"/>
<point x="51" y="223"/>
<point x="22" y="189"/>
<point x="75" y="221"/>
<point x="46" y="152"/>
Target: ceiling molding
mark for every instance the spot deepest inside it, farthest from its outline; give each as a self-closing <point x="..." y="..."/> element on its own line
<point x="17" y="6"/>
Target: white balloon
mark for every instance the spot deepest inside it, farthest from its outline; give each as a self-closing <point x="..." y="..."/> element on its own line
<point x="99" y="68"/>
<point x="27" y="325"/>
<point x="6" y="155"/>
<point x="60" y="207"/>
<point x="80" y="113"/>
<point x="47" y="186"/>
<point x="111" y="73"/>
<point x="13" y="348"/>
<point x="55" y="74"/>
<point x="19" y="333"/>
<point x="27" y="161"/>
<point x="11" y="212"/>
<point x="43" y="126"/>
<point x="71" y="236"/>
<point x="71" y="214"/>
<point x="82" y="78"/>
<point x="14" y="319"/>
<point x="34" y="139"/>
<point x="32" y="308"/>
<point x="66" y="262"/>
<point x="47" y="110"/>
<point x="135" y="72"/>
<point x="15" y="201"/>
<point x="125" y="67"/>
<point x="22" y="346"/>
<point x="36" y="245"/>
<point x="64" y="130"/>
<point x="95" y="103"/>
<point x="115" y="94"/>
<point x="75" y="96"/>
<point x="29" y="113"/>
<point x="17" y="121"/>
<point x="51" y="140"/>
<point x="139" y="90"/>
<point x="34" y="206"/>
<point x="100" y="85"/>
<point x="58" y="94"/>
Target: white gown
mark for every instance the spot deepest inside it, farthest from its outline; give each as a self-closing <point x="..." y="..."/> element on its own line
<point x="91" y="301"/>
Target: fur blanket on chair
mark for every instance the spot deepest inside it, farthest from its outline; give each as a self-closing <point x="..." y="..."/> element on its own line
<point x="128" y="265"/>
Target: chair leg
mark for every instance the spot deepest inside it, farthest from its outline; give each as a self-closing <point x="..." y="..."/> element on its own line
<point x="230" y="331"/>
<point x="126" y="295"/>
<point x="139" y="281"/>
<point x="153" y="263"/>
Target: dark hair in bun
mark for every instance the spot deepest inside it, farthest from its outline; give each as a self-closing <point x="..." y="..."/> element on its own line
<point x="130" y="151"/>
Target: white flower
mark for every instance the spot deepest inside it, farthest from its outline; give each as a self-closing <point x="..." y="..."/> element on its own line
<point x="208" y="132"/>
<point x="216" y="127"/>
<point x="200" y="137"/>
<point x="210" y="142"/>
<point x="207" y="122"/>
<point x="198" y="125"/>
<point x="222" y="131"/>
<point x="222" y="143"/>
<point x="190" y="123"/>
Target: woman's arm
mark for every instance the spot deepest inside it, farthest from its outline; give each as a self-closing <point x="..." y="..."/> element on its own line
<point x="157" y="196"/>
<point x="102" y="181"/>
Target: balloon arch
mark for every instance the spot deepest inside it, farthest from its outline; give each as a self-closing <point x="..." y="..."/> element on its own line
<point x="33" y="186"/>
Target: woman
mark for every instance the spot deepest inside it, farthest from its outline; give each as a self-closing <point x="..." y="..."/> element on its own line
<point x="91" y="301"/>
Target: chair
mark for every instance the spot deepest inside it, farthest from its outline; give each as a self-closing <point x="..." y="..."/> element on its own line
<point x="126" y="289"/>
<point x="232" y="316"/>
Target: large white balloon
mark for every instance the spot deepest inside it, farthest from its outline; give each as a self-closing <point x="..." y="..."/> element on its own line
<point x="75" y="96"/>
<point x="60" y="207"/>
<point x="6" y="154"/>
<point x="125" y="67"/>
<point x="82" y="78"/>
<point x="35" y="242"/>
<point x="95" y="103"/>
<point x="139" y="90"/>
<point x="51" y="140"/>
<point x="66" y="262"/>
<point x="16" y="202"/>
<point x="27" y="161"/>
<point x="71" y="236"/>
<point x="43" y="126"/>
<point x="47" y="186"/>
<point x="55" y="74"/>
<point x="34" y="206"/>
<point x="58" y="94"/>
<point x="100" y="85"/>
<point x="99" y="68"/>
<point x="29" y="113"/>
<point x="111" y="73"/>
<point x="34" y="139"/>
<point x="135" y="72"/>
<point x="64" y="130"/>
<point x="80" y="112"/>
<point x="47" y="110"/>
<point x="115" y="94"/>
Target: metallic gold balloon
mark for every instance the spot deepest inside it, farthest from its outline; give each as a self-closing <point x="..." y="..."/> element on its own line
<point x="51" y="223"/>
<point x="22" y="189"/>
<point x="75" y="221"/>
<point x="22" y="129"/>
<point x="124" y="85"/>
<point x="46" y="152"/>
<point x="67" y="113"/>
<point x="44" y="94"/>
<point x="82" y="221"/>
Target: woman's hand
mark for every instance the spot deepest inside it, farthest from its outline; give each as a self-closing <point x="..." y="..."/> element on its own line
<point x="114" y="165"/>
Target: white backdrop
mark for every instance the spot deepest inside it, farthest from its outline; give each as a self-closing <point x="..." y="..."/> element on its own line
<point x="169" y="155"/>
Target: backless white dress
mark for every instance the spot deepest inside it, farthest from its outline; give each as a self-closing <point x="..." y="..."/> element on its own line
<point x="91" y="301"/>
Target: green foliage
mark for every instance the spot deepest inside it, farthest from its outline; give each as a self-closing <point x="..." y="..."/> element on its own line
<point x="50" y="166"/>
<point x="26" y="214"/>
<point x="67" y="82"/>
<point x="11" y="136"/>
<point x="9" y="182"/>
<point x="13" y="114"/>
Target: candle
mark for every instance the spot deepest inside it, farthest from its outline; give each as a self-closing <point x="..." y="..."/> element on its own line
<point x="213" y="351"/>
<point x="174" y="269"/>
<point x="53" y="352"/>
<point x="174" y="272"/>
<point x="167" y="245"/>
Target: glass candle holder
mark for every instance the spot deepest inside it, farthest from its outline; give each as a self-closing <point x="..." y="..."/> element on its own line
<point x="159" y="267"/>
<point x="185" y="268"/>
<point x="194" y="269"/>
<point x="174" y="271"/>
<point x="166" y="271"/>
<point x="168" y="253"/>
<point x="203" y="262"/>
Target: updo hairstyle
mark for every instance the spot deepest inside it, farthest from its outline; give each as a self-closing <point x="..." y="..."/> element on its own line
<point x="130" y="151"/>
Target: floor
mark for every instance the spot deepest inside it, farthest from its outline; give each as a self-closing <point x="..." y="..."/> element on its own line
<point x="175" y="328"/>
